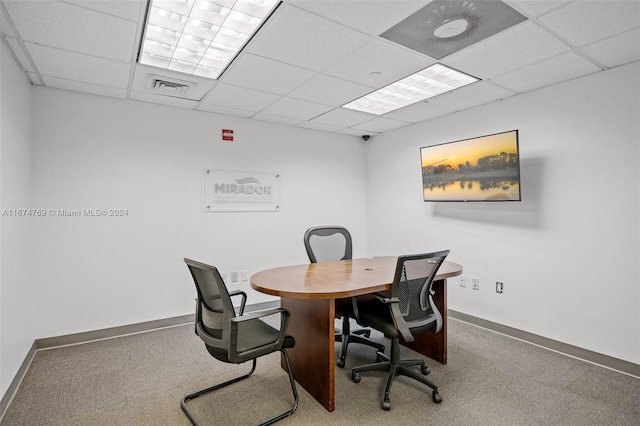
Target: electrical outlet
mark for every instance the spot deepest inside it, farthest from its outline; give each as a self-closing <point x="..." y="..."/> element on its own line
<point x="463" y="281"/>
<point x="475" y="283"/>
<point x="245" y="275"/>
<point x="499" y="287"/>
<point x="234" y="276"/>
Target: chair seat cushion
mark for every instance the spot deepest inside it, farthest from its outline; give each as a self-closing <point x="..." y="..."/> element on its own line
<point x="377" y="315"/>
<point x="252" y="335"/>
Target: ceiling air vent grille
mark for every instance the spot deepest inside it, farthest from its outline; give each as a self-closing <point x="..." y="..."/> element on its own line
<point x="170" y="87"/>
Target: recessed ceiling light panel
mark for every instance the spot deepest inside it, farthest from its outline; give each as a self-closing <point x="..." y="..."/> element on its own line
<point x="200" y="37"/>
<point x="425" y="84"/>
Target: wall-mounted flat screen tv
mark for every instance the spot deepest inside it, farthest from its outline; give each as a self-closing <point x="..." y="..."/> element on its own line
<point x="485" y="168"/>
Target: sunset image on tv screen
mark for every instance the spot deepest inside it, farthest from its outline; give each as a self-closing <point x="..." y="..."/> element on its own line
<point x="485" y="168"/>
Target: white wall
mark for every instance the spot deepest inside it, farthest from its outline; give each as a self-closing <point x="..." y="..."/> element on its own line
<point x="568" y="253"/>
<point x="16" y="275"/>
<point x="93" y="152"/>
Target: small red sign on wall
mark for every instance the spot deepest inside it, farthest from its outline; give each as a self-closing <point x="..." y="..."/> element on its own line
<point x="227" y="135"/>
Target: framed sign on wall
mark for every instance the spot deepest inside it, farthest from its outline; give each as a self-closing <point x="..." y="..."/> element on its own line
<point x="226" y="190"/>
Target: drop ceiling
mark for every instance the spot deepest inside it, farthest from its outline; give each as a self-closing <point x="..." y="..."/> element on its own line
<point x="312" y="57"/>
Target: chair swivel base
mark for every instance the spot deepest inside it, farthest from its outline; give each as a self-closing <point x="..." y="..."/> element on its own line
<point x="396" y="367"/>
<point x="194" y="421"/>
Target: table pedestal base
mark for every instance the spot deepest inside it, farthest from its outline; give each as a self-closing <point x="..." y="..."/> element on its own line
<point x="313" y="358"/>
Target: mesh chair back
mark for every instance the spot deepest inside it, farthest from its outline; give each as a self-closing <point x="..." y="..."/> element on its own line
<point x="214" y="303"/>
<point x="327" y="243"/>
<point x="412" y="286"/>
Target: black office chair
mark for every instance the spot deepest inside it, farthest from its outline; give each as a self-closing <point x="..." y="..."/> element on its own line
<point x="235" y="338"/>
<point x="409" y="311"/>
<point x="329" y="244"/>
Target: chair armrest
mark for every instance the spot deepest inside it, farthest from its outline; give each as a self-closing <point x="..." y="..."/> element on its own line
<point x="244" y="299"/>
<point x="399" y="322"/>
<point x="259" y="314"/>
<point x="384" y="299"/>
<point x="354" y="301"/>
<point x="396" y="315"/>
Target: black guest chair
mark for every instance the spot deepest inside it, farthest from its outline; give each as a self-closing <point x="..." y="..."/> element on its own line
<point x="330" y="244"/>
<point x="235" y="338"/>
<point x="409" y="311"/>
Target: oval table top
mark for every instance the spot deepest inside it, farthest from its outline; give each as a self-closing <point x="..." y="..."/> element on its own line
<point x="336" y="280"/>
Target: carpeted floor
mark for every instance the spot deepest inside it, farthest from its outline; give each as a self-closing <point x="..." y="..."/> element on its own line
<point x="490" y="379"/>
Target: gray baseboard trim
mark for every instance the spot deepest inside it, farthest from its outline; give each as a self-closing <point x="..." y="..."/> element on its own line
<point x="107" y="333"/>
<point x="15" y="383"/>
<point x="554" y="345"/>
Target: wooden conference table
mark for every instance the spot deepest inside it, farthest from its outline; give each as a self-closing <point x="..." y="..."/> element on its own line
<point x="310" y="292"/>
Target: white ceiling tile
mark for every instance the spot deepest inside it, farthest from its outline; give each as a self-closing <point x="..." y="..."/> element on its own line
<point x="472" y="95"/>
<point x="127" y="9"/>
<point x="354" y="132"/>
<point x="77" y="86"/>
<point x="585" y="22"/>
<point x="225" y="111"/>
<point x="328" y="90"/>
<point x="534" y="8"/>
<point x="509" y="50"/>
<point x="617" y="50"/>
<point x="300" y="38"/>
<point x="164" y="100"/>
<point x="418" y="112"/>
<point x="370" y="17"/>
<point x="550" y="71"/>
<point x="343" y="117"/>
<point x="387" y="61"/>
<point x="320" y="55"/>
<point x="380" y="124"/>
<point x="5" y="28"/>
<point x="239" y="98"/>
<point x="69" y="27"/>
<point x="22" y="58"/>
<point x="265" y="75"/>
<point x="277" y="119"/>
<point x="296" y="108"/>
<point x="319" y="126"/>
<point x="75" y="66"/>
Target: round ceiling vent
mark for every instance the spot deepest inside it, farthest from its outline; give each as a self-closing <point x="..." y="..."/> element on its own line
<point x="451" y="28"/>
<point x="452" y="19"/>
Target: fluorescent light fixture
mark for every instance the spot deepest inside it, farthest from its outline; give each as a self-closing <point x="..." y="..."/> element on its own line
<point x="200" y="37"/>
<point x="425" y="84"/>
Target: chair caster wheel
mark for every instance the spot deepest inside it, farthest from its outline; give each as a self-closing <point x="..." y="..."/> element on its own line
<point x="386" y="405"/>
<point x="425" y="370"/>
<point x="436" y="397"/>
<point x="340" y="363"/>
<point x="355" y="377"/>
